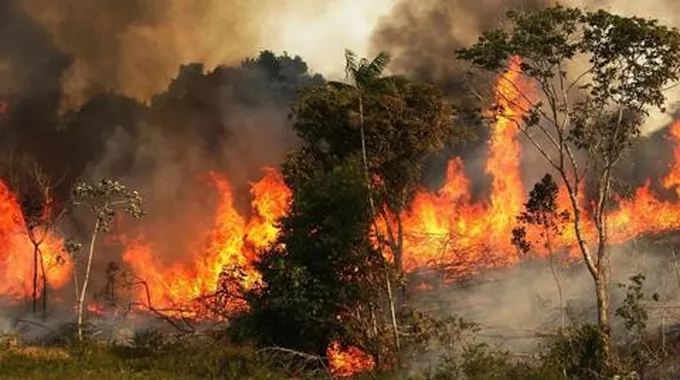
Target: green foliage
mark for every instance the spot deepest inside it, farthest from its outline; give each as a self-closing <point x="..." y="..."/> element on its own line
<point x="404" y="123"/>
<point x="424" y="334"/>
<point x="285" y="74"/>
<point x="365" y="73"/>
<point x="632" y="311"/>
<point x="322" y="270"/>
<point x="630" y="61"/>
<point x="540" y="210"/>
<point x="578" y="353"/>
<point x="641" y="355"/>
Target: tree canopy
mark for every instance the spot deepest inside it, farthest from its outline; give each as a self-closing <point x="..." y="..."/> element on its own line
<point x="322" y="269"/>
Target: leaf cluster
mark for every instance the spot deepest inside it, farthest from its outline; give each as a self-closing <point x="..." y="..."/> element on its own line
<point x="619" y="67"/>
<point x="322" y="270"/>
<point x="105" y="197"/>
<point x="540" y="210"/>
<point x="404" y="123"/>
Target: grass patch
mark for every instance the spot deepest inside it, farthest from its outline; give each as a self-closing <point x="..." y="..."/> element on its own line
<point x="98" y="362"/>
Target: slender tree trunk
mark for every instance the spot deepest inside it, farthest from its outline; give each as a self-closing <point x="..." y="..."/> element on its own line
<point x="598" y="270"/>
<point x="603" y="268"/>
<point x="603" y="323"/>
<point x="393" y="314"/>
<point x="388" y="281"/>
<point x="553" y="270"/>
<point x="44" y="284"/>
<point x="376" y="337"/>
<point x="34" y="301"/>
<point x="83" y="290"/>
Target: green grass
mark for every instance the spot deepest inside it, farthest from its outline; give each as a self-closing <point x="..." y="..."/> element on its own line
<point x="108" y="363"/>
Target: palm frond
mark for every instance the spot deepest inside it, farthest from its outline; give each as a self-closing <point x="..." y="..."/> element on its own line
<point x="379" y="63"/>
<point x="351" y="64"/>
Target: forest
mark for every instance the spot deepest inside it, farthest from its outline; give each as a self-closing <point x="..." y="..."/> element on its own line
<point x="258" y="220"/>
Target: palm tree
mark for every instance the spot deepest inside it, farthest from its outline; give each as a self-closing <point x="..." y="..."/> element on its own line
<point x="366" y="75"/>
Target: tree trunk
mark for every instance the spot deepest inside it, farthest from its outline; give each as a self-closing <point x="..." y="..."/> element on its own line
<point x="393" y="314"/>
<point x="602" y="289"/>
<point x="558" y="282"/>
<point x="83" y="290"/>
<point x="34" y="301"/>
<point x="44" y="284"/>
<point x="603" y="268"/>
<point x="598" y="271"/>
<point x="374" y="215"/>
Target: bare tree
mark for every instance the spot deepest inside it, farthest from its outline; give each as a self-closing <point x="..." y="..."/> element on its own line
<point x="35" y="190"/>
<point x="596" y="76"/>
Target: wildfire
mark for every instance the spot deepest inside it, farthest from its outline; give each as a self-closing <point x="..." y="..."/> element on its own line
<point x="349" y="361"/>
<point x="446" y="228"/>
<point x="16" y="253"/>
<point x="225" y="264"/>
<point x="442" y="227"/>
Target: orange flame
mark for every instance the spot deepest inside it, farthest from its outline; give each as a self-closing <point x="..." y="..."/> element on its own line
<point x="232" y="244"/>
<point x="445" y="227"/>
<point x="16" y="253"/>
<point x="348" y="362"/>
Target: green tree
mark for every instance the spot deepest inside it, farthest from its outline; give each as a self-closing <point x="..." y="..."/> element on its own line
<point x="597" y="76"/>
<point x="322" y="274"/>
<point x="105" y="199"/>
<point x="392" y="123"/>
<point x="541" y="211"/>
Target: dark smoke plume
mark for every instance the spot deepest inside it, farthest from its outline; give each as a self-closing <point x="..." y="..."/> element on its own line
<point x="134" y="47"/>
<point x="232" y="119"/>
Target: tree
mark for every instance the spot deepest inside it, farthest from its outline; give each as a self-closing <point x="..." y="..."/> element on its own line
<point x="41" y="216"/>
<point x="598" y="76"/>
<point x="322" y="274"/>
<point x="105" y="199"/>
<point x="403" y="124"/>
<point x="393" y="124"/>
<point x="541" y="211"/>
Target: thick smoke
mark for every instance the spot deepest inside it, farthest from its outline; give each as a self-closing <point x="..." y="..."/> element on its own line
<point x="160" y="131"/>
<point x="424" y="35"/>
<point x="134" y="47"/>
